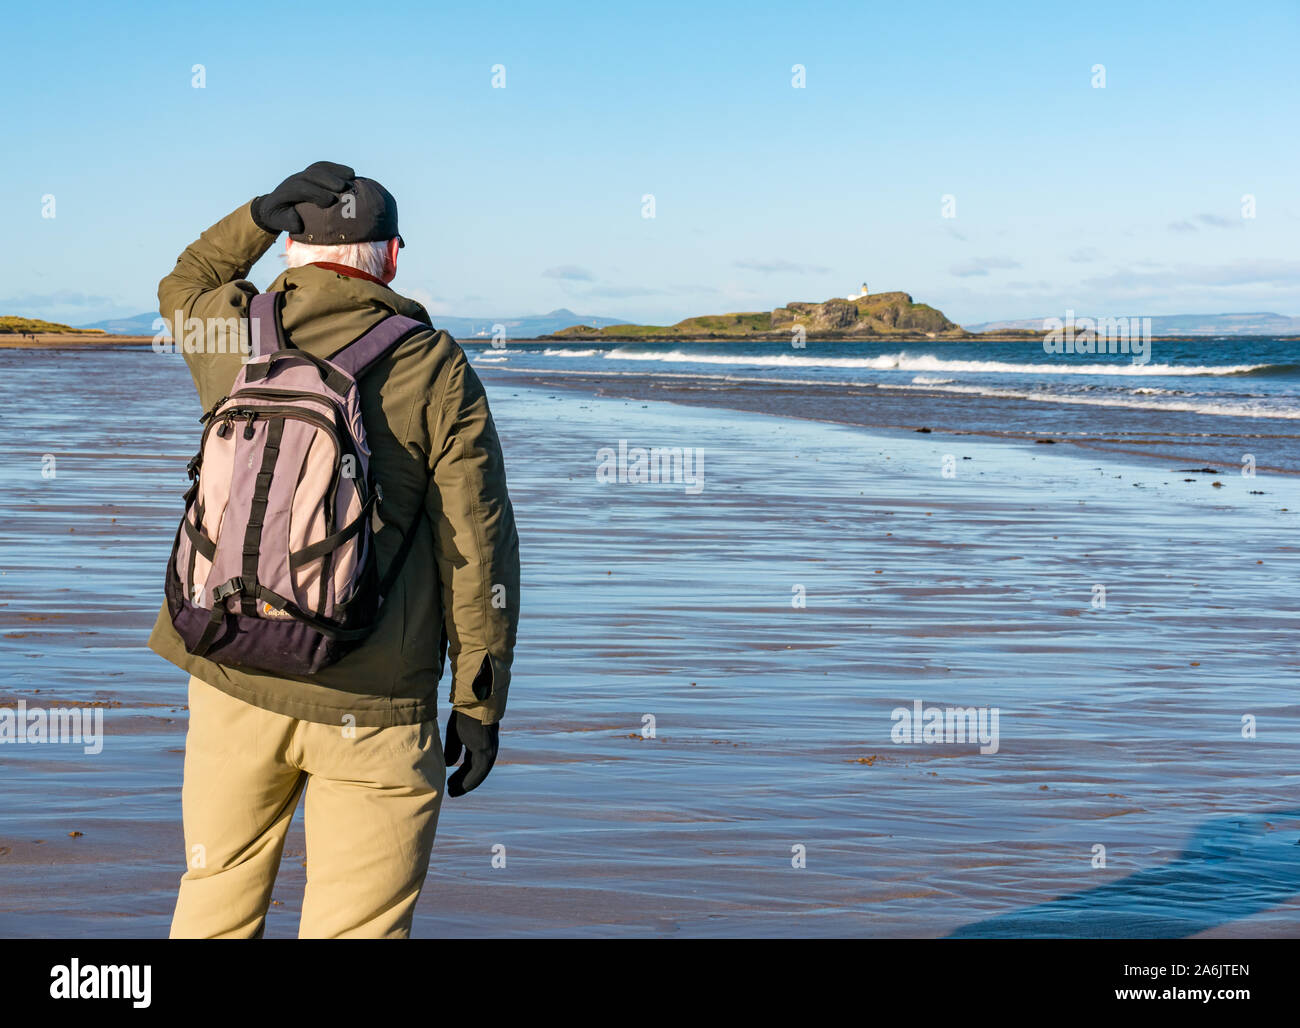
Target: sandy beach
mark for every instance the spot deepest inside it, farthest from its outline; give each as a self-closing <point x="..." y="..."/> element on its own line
<point x="771" y="623"/>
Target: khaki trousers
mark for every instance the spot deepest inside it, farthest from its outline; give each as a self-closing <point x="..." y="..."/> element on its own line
<point x="373" y="796"/>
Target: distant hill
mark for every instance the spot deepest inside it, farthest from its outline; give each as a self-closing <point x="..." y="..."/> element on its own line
<point x="1253" y="324"/>
<point x="137" y="325"/>
<point x="525" y="326"/>
<point x="862" y="317"/>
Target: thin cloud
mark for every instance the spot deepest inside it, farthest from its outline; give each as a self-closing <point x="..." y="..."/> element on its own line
<point x="982" y="266"/>
<point x="63" y="298"/>
<point x="569" y="273"/>
<point x="621" y="292"/>
<point x="781" y="267"/>
<point x="1248" y="273"/>
<point x="1212" y="220"/>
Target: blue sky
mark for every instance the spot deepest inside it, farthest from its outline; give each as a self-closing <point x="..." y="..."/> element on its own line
<point x="1126" y="199"/>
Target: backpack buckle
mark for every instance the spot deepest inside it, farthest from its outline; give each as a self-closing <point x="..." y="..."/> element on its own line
<point x="235" y="585"/>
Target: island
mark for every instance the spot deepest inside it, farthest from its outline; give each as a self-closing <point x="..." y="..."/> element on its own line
<point x="862" y="316"/>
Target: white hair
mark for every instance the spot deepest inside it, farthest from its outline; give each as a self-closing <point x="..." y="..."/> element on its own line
<point x="368" y="257"/>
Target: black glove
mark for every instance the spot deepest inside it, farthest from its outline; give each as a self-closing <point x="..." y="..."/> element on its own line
<point x="320" y="184"/>
<point x="480" y="744"/>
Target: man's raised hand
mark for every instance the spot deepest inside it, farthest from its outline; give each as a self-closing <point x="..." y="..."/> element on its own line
<point x="320" y="184"/>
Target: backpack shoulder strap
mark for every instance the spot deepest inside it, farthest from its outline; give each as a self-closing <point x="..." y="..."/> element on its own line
<point x="265" y="330"/>
<point x="361" y="353"/>
<point x="356" y="358"/>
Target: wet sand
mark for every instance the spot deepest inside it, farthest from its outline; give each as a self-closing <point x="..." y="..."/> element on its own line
<point x="72" y="341"/>
<point x="1119" y="727"/>
<point x="1166" y="436"/>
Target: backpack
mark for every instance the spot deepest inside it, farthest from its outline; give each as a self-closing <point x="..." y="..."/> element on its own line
<point x="273" y="567"/>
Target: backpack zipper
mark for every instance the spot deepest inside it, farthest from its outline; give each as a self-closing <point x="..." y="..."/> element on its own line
<point x="225" y="422"/>
<point x="290" y="394"/>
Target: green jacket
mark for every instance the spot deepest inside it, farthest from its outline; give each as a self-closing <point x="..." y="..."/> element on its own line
<point x="435" y="452"/>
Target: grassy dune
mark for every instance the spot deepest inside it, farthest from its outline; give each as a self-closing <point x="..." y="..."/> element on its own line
<point x="11" y="324"/>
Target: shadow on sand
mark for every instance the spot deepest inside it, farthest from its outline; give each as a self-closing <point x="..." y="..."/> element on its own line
<point x="1232" y="868"/>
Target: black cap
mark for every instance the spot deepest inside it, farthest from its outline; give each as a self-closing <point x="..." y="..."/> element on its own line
<point x="365" y="213"/>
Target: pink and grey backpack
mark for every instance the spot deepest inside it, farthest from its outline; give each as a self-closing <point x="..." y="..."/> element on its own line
<point x="274" y="565"/>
